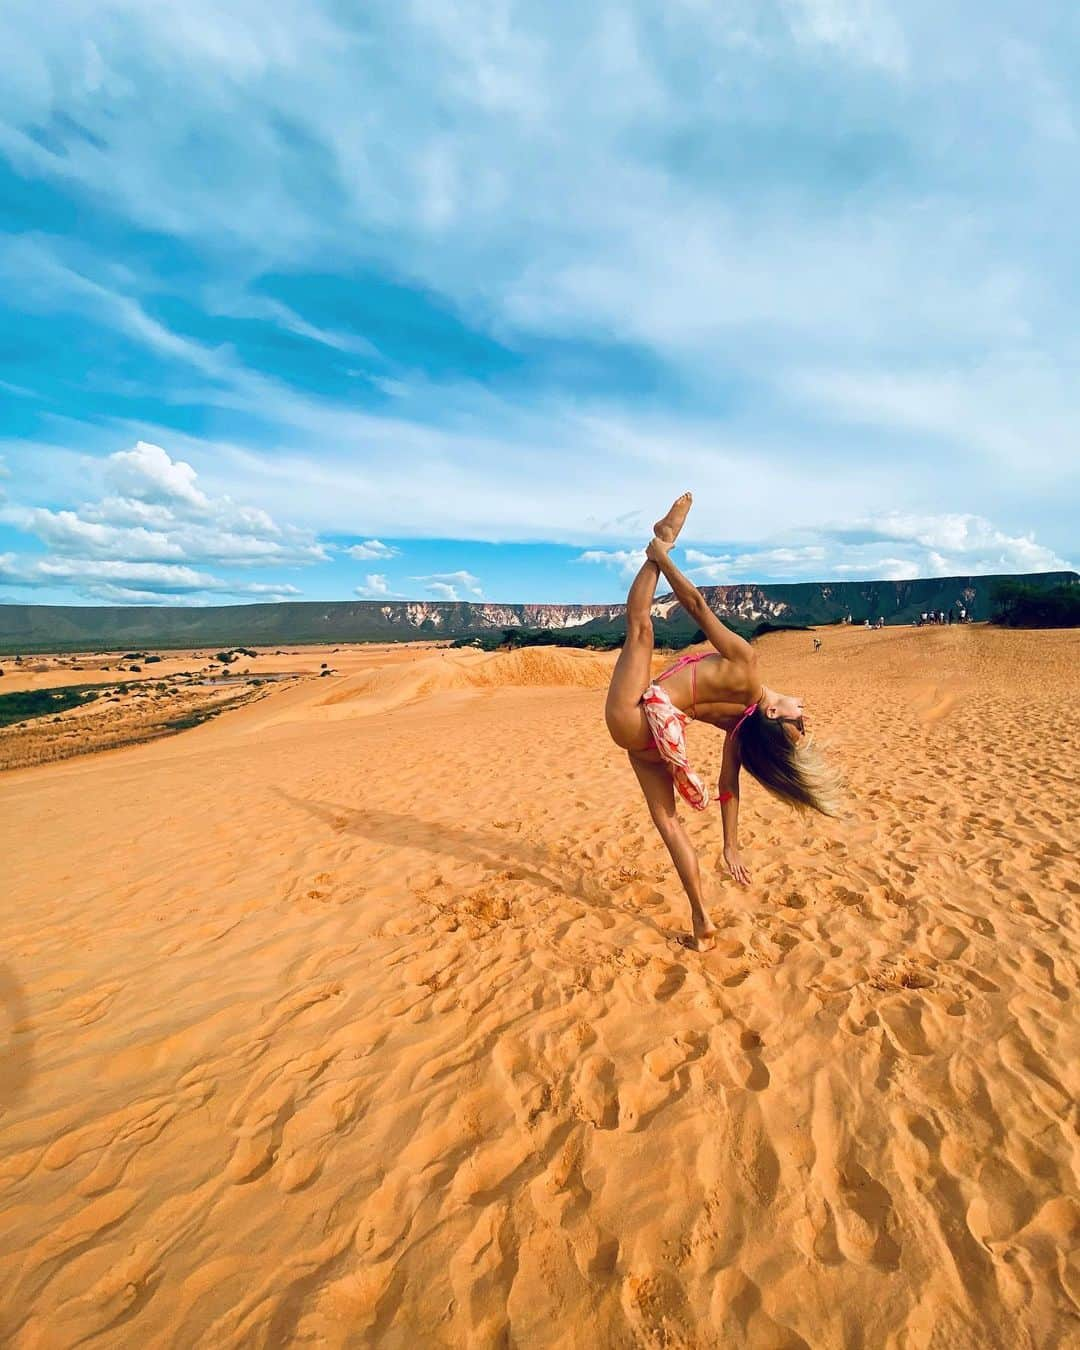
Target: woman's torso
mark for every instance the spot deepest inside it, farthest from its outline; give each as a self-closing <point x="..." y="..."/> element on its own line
<point x="711" y="688"/>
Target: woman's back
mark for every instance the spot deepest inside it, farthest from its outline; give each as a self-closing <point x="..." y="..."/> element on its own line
<point x="712" y="688"/>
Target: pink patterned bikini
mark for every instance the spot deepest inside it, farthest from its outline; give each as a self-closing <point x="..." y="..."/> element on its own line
<point x="667" y="724"/>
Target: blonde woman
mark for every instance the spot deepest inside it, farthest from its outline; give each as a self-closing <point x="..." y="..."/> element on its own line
<point x="765" y="731"/>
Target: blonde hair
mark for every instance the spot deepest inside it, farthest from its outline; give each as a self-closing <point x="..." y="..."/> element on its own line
<point x="794" y="772"/>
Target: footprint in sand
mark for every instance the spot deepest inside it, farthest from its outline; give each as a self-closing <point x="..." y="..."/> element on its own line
<point x="528" y="1094"/>
<point x="656" y="1307"/>
<point x="739" y="1052"/>
<point x="596" y="1092"/>
<point x="859" y="1204"/>
<point x="672" y="1054"/>
<point x="1039" y="967"/>
<point x="904" y="1022"/>
<point x="946" y="942"/>
<point x="663" y="981"/>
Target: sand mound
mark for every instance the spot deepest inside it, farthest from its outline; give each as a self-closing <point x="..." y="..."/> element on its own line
<point x="384" y="687"/>
<point x="378" y="1032"/>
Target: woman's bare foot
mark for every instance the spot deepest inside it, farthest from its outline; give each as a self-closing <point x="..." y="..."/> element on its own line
<point x="667" y="529"/>
<point x="704" y="936"/>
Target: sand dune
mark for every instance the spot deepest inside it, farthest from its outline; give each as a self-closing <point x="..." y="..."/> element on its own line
<point x="358" y="1017"/>
<point x="384" y="687"/>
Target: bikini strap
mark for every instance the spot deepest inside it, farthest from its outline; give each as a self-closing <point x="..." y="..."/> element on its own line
<point x="682" y="661"/>
<point x="690" y="660"/>
<point x="746" y="713"/>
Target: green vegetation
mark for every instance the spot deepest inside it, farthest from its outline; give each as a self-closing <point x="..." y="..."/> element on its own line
<point x="42" y="702"/>
<point x="769" y="627"/>
<point x="542" y="637"/>
<point x="1019" y="605"/>
<point x="196" y="717"/>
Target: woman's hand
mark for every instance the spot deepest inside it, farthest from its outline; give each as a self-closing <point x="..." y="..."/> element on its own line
<point x="736" y="866"/>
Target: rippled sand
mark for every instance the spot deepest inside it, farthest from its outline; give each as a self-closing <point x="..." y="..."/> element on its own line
<point x="358" y="1017"/>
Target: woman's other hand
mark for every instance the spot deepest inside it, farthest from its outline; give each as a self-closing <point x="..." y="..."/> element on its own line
<point x="736" y="866"/>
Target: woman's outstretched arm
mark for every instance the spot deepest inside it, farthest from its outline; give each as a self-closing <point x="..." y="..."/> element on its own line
<point x="726" y="642"/>
<point x="729" y="810"/>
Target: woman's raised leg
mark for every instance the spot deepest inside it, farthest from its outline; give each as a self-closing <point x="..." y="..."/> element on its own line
<point x="633" y="669"/>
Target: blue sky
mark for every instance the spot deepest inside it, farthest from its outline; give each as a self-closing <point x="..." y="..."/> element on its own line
<point x="449" y="298"/>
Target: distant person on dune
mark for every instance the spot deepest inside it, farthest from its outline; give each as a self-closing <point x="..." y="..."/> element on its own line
<point x="764" y="730"/>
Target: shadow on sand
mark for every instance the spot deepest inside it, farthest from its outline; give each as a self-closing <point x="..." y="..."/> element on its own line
<point x="526" y="862"/>
<point x="17" y="1054"/>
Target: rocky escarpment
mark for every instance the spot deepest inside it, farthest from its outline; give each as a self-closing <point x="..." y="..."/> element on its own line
<point x="69" y="627"/>
<point x="464" y="618"/>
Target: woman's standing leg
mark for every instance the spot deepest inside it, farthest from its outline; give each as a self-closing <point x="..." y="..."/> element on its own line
<point x="659" y="791"/>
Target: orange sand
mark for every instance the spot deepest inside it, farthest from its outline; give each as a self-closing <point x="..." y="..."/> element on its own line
<point x="357" y="1017"/>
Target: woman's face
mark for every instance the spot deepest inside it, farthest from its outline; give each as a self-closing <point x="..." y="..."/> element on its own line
<point x="789" y="710"/>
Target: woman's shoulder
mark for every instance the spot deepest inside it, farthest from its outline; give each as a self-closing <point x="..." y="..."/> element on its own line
<point x="728" y="676"/>
<point x="725" y="667"/>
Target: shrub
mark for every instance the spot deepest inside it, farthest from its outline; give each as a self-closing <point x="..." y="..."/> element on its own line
<point x="1015" y="604"/>
<point x="38" y="702"/>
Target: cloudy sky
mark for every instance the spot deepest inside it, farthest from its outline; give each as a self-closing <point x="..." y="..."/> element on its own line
<point x="448" y="298"/>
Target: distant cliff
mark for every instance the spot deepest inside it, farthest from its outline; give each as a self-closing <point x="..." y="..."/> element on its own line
<point x="28" y="628"/>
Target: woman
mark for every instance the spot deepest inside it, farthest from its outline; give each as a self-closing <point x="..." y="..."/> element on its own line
<point x="765" y="730"/>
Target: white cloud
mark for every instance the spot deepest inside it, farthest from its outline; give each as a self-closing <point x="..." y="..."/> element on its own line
<point x="626" y="561"/>
<point x="262" y="307"/>
<point x="891" y="569"/>
<point x="158" y="578"/>
<point x="166" y="517"/>
<point x="697" y="558"/>
<point x="150" y="533"/>
<point x="441" y="591"/>
<point x="863" y="30"/>
<point x="375" y="587"/>
<point x="110" y="594"/>
<point x="713" y="574"/>
<point x="148" y="474"/>
<point x="892" y="546"/>
<point x="371" y="548"/>
<point x="446" y="585"/>
<point x="963" y="542"/>
<point x="1008" y="409"/>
